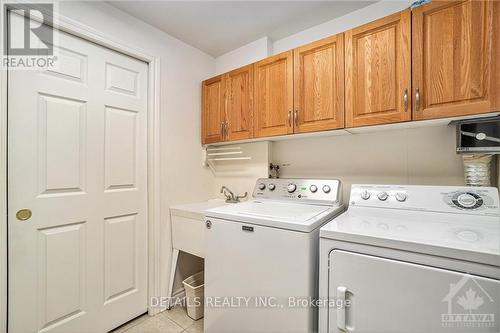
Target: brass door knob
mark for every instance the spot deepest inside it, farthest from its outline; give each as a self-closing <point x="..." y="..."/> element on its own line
<point x="23" y="214"/>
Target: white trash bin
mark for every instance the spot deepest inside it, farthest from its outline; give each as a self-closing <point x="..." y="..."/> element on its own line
<point x="194" y="287"/>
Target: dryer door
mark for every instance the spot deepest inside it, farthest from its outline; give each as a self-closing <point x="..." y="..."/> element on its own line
<point x="389" y="296"/>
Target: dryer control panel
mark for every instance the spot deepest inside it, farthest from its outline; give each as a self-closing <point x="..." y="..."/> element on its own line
<point x="311" y="191"/>
<point x="446" y="199"/>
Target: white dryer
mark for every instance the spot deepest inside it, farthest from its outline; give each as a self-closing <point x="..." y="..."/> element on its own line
<point x="261" y="257"/>
<point x="412" y="259"/>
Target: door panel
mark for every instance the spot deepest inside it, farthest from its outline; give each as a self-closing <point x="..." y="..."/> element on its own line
<point x="213" y="110"/>
<point x="273" y="95"/>
<point x="72" y="65"/>
<point x="452" y="58"/>
<point x="77" y="159"/>
<point x="119" y="257"/>
<point x="62" y="157"/>
<point x="239" y="85"/>
<point x="120" y="148"/>
<point x="319" y="85"/>
<point x="121" y="80"/>
<point x="61" y="257"/>
<point x="390" y="296"/>
<point x="378" y="71"/>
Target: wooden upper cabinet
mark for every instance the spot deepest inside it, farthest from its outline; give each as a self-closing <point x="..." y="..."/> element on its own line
<point x="319" y="85"/>
<point x="273" y="95"/>
<point x="452" y="58"/>
<point x="213" y="110"/>
<point x="239" y="112"/>
<point x="378" y="71"/>
<point x="441" y="59"/>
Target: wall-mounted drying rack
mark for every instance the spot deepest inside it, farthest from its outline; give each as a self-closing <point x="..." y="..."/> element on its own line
<point x="214" y="155"/>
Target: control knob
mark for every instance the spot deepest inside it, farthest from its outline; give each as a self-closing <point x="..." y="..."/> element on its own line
<point x="466" y="200"/>
<point x="313" y="188"/>
<point x="365" y="195"/>
<point x="401" y="196"/>
<point x="291" y="187"/>
<point x="326" y="189"/>
<point x="382" y="196"/>
<point x="271" y="187"/>
<point x="262" y="186"/>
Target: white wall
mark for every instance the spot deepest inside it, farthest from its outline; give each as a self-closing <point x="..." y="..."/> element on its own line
<point x="240" y="176"/>
<point x="183" y="179"/>
<point x="423" y="156"/>
<point x="247" y="54"/>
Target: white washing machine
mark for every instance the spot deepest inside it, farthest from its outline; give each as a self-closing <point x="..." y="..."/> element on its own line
<point x="412" y="259"/>
<point x="262" y="257"/>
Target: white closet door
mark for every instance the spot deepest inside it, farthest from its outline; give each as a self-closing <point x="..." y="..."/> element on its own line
<point x="77" y="160"/>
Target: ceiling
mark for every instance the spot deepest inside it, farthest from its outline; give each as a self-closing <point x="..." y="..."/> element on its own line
<point x="217" y="27"/>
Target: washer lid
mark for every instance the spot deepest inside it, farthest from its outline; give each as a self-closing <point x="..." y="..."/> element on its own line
<point x="283" y="215"/>
<point x="462" y="237"/>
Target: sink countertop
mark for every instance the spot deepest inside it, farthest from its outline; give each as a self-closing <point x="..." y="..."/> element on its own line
<point x="196" y="210"/>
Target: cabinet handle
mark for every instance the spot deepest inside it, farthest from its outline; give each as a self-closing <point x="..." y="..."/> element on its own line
<point x="227" y="130"/>
<point x="296" y="118"/>
<point x="222" y="129"/>
<point x="405" y="99"/>
<point x="417" y="99"/>
<point x="289" y="118"/>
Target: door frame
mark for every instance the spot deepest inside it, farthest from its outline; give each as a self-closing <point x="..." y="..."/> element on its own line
<point x="157" y="280"/>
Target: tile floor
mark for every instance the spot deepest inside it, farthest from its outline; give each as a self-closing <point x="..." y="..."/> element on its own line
<point x="174" y="320"/>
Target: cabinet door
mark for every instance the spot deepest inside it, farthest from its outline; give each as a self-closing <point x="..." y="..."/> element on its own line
<point x="319" y="85"/>
<point x="239" y="87"/>
<point x="378" y="71"/>
<point x="273" y="95"/>
<point x="452" y="58"/>
<point x="213" y="110"/>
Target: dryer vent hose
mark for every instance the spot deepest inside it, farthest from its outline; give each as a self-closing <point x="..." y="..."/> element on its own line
<point x="477" y="169"/>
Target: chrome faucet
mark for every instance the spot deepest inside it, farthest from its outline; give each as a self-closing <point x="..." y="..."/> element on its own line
<point x="230" y="197"/>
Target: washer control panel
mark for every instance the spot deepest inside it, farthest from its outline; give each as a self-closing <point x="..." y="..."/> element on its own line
<point x="320" y="191"/>
<point x="452" y="199"/>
